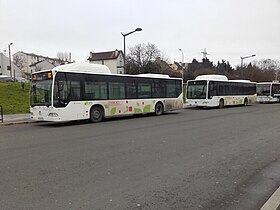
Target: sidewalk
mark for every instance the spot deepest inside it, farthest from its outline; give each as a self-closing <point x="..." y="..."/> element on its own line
<point x="12" y="119"/>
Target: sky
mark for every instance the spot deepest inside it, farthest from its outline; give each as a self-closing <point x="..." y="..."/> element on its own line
<point x="228" y="29"/>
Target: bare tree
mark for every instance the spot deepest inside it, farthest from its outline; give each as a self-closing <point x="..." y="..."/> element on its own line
<point x="19" y="62"/>
<point x="142" y="56"/>
<point x="64" y="56"/>
<point x="270" y="65"/>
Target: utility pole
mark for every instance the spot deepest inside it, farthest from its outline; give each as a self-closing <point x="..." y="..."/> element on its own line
<point x="182" y="63"/>
<point x="9" y="46"/>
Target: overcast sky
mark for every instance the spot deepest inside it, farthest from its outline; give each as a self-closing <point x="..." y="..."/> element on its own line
<point x="228" y="29"/>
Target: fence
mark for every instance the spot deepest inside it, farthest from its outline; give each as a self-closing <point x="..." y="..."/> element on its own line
<point x="1" y="114"/>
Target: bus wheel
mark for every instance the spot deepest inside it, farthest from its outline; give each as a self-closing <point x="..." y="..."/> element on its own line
<point x="159" y="109"/>
<point x="96" y="114"/>
<point x="245" y="102"/>
<point x="221" y="103"/>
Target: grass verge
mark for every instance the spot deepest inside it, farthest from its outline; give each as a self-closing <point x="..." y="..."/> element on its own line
<point x="13" y="98"/>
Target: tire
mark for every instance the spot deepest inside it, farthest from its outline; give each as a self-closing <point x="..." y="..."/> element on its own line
<point x="96" y="114"/>
<point x="159" y="109"/>
<point x="221" y="103"/>
<point x="246" y="102"/>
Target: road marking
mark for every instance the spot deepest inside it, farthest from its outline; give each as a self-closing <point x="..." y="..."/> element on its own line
<point x="273" y="202"/>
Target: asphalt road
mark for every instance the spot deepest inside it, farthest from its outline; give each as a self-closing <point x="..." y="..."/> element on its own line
<point x="191" y="159"/>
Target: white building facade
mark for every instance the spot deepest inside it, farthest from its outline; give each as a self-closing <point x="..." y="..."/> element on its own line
<point x="4" y="67"/>
<point x="24" y="60"/>
<point x="114" y="60"/>
<point x="41" y="65"/>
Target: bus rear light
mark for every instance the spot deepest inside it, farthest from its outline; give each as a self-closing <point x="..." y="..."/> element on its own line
<point x="53" y="115"/>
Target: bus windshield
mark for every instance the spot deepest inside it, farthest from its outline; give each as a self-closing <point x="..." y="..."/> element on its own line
<point x="196" y="90"/>
<point x="41" y="93"/>
<point x="263" y="89"/>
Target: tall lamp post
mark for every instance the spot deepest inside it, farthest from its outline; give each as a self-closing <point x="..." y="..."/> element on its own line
<point x="124" y="35"/>
<point x="241" y="65"/>
<point x="9" y="46"/>
<point x="182" y="62"/>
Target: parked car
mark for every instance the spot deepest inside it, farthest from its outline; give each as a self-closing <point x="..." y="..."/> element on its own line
<point x="21" y="79"/>
<point x="6" y="79"/>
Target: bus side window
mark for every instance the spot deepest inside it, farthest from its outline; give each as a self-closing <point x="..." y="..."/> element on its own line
<point x="275" y="89"/>
<point x="75" y="90"/>
<point x="212" y="89"/>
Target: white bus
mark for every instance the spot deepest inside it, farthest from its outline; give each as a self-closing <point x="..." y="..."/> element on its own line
<point x="90" y="91"/>
<point x="268" y="92"/>
<point x="218" y="91"/>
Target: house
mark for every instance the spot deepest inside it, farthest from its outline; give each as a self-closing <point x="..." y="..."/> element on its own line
<point x="41" y="65"/>
<point x="5" y="67"/>
<point x="114" y="60"/>
<point x="24" y="60"/>
<point x="165" y="68"/>
<point x="179" y="67"/>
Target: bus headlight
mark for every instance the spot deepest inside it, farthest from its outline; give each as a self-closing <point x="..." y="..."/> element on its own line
<point x="53" y="115"/>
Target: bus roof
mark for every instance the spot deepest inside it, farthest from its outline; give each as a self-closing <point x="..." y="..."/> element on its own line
<point x="99" y="69"/>
<point x="240" y="80"/>
<point x="83" y="68"/>
<point x="212" y="77"/>
<point x="268" y="83"/>
<point x="154" y="75"/>
<point x="216" y="77"/>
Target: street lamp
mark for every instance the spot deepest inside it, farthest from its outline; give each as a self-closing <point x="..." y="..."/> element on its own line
<point x="124" y="35"/>
<point x="182" y="62"/>
<point x="9" y="46"/>
<point x="242" y="58"/>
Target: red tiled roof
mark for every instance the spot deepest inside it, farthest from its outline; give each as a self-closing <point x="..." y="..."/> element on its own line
<point x="111" y="55"/>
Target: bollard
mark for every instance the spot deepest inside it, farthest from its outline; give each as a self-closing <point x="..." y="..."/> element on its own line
<point x="1" y="112"/>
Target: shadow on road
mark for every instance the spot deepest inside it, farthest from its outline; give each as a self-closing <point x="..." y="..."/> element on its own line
<point x="119" y="118"/>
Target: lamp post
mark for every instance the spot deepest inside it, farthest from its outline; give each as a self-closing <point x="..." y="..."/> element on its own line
<point x="124" y="35"/>
<point x="9" y="46"/>
<point x="241" y="65"/>
<point x="182" y="62"/>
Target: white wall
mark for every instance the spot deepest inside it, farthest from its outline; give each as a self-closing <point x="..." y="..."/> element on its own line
<point x="4" y="63"/>
<point x="115" y="66"/>
<point x="26" y="60"/>
<point x="44" y="65"/>
<point x="30" y="59"/>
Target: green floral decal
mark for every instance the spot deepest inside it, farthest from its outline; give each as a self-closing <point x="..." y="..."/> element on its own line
<point x="137" y="110"/>
<point x="113" y="110"/>
<point x="147" y="108"/>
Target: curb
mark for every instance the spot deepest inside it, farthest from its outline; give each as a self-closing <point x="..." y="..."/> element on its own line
<point x="273" y="202"/>
<point x="16" y="123"/>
